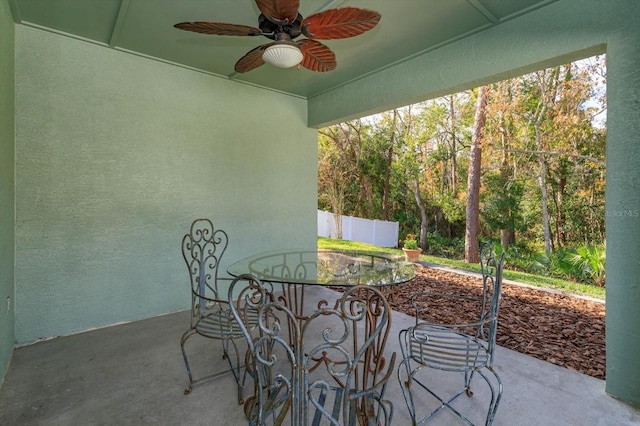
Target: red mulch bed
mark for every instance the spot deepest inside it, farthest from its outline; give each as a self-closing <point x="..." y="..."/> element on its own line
<point x="565" y="330"/>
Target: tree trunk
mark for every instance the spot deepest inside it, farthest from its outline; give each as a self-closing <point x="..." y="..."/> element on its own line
<point x="560" y="216"/>
<point x="337" y="203"/>
<point x="423" y="215"/>
<point x="387" y="175"/>
<point x="507" y="237"/>
<point x="544" y="195"/>
<point x="471" y="249"/>
<point x="548" y="89"/>
<point x="508" y="234"/>
<point x="454" y="166"/>
<point x="337" y="219"/>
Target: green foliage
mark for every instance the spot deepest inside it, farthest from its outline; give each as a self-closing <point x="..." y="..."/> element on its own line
<point x="588" y="263"/>
<point x="501" y="209"/>
<point x="410" y="243"/>
<point x="454" y="209"/>
<point x="585" y="264"/>
<point x="332" y="243"/>
<point x="536" y="123"/>
<point x="446" y="247"/>
<point x="521" y="258"/>
<point x="522" y="277"/>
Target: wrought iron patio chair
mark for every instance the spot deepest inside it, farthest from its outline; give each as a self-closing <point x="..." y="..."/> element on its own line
<point x="326" y="368"/>
<point x="202" y="249"/>
<point x="465" y="347"/>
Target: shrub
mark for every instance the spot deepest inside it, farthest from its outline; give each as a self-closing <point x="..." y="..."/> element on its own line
<point x="452" y="248"/>
<point x="583" y="264"/>
<point x="410" y="242"/>
<point x="588" y="263"/>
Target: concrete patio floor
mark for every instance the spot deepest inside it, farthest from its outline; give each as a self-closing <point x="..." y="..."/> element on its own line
<point x="133" y="374"/>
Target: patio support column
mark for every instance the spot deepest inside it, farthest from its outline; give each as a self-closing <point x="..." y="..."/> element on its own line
<point x="623" y="216"/>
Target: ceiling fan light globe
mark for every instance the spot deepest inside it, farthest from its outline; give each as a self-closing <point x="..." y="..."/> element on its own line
<point x="283" y="55"/>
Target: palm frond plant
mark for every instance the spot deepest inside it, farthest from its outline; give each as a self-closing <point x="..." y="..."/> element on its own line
<point x="589" y="262"/>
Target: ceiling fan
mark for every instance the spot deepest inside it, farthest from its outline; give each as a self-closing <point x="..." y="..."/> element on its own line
<point x="280" y="21"/>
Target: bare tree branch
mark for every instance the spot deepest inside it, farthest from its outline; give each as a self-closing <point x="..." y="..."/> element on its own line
<point x="583" y="157"/>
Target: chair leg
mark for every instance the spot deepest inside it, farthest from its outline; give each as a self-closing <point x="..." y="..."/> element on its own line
<point x="183" y="340"/>
<point x="496" y="394"/>
<point x="494" y="388"/>
<point x="405" y="386"/>
<point x="237" y="370"/>
<point x="468" y="377"/>
<point x="411" y="383"/>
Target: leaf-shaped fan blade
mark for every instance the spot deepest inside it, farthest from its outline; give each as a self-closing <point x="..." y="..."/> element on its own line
<point x="279" y="9"/>
<point x="253" y="59"/>
<point x="219" y="28"/>
<point x="339" y="23"/>
<point x="317" y="56"/>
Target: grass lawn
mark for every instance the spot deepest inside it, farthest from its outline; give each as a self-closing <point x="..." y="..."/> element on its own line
<point x="534" y="280"/>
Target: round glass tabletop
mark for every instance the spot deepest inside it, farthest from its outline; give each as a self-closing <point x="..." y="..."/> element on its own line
<point x="326" y="267"/>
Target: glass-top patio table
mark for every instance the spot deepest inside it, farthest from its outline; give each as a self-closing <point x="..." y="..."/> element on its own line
<point x="295" y="269"/>
<point x="326" y="267"/>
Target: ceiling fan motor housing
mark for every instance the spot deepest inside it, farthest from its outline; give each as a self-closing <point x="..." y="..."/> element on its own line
<point x="273" y="28"/>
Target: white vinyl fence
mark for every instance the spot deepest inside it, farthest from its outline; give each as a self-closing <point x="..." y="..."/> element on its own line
<point x="379" y="232"/>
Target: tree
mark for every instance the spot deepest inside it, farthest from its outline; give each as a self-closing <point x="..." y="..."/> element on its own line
<point x="471" y="249"/>
<point x="541" y="155"/>
<point x="502" y="206"/>
<point x="331" y="178"/>
<point x="411" y="134"/>
<point x="539" y="93"/>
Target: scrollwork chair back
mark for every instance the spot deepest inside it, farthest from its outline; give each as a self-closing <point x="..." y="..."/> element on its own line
<point x="202" y="249"/>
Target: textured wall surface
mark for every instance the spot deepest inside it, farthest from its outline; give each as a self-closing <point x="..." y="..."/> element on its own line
<point x="623" y="213"/>
<point x="6" y="187"/>
<point x="117" y="154"/>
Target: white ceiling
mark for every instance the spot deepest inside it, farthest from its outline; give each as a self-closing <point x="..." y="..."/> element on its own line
<point x="407" y="28"/>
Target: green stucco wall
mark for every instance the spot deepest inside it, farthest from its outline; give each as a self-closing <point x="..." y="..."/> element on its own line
<point x="117" y="154"/>
<point x="561" y="32"/>
<point x="623" y="212"/>
<point x="7" y="210"/>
